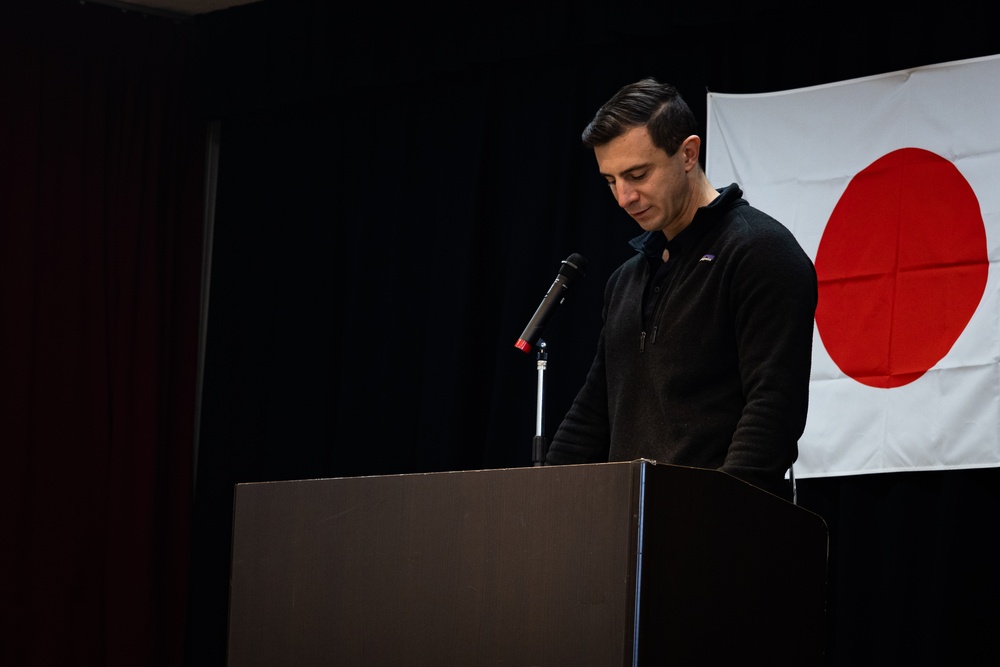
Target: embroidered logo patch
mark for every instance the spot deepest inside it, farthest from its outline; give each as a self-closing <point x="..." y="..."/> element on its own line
<point x="707" y="258"/>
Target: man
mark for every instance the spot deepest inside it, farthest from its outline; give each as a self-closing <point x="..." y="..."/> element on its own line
<point x="705" y="352"/>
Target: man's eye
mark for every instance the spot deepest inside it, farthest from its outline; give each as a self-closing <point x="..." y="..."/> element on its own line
<point x="637" y="177"/>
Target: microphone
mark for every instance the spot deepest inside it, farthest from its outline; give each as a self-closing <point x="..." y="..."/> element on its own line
<point x="573" y="267"/>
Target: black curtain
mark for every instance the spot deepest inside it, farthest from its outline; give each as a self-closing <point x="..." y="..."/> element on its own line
<point x="394" y="201"/>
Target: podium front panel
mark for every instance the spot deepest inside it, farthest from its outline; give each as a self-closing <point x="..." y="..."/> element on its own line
<point x="527" y="566"/>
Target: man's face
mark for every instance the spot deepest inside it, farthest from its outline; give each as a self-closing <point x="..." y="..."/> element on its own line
<point x="651" y="186"/>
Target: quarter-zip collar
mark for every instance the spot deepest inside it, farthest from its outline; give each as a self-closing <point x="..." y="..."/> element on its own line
<point x="651" y="244"/>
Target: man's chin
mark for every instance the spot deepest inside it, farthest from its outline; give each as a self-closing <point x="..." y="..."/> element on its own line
<point x="648" y="224"/>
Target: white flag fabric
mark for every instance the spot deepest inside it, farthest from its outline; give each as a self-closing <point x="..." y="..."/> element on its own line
<point x="891" y="183"/>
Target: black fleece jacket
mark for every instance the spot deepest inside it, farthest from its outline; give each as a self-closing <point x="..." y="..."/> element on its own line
<point x="718" y="377"/>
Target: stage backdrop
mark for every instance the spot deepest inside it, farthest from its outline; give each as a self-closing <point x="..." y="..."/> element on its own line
<point x="890" y="183"/>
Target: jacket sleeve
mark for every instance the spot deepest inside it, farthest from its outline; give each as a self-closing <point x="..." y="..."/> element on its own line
<point x="584" y="434"/>
<point x="774" y="309"/>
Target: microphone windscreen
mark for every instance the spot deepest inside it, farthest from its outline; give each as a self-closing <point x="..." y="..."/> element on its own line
<point x="572" y="267"/>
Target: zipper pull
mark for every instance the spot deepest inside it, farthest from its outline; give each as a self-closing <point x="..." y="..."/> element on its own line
<point x="642" y="342"/>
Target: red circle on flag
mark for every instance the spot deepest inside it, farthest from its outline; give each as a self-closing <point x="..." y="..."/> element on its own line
<point x="902" y="266"/>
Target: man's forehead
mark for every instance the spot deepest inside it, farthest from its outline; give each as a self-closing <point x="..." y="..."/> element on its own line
<point x="631" y="150"/>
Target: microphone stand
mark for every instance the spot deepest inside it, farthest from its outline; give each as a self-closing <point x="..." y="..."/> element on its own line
<point x="538" y="443"/>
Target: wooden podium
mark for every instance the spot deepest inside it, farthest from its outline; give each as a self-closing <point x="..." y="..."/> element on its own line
<point x="631" y="563"/>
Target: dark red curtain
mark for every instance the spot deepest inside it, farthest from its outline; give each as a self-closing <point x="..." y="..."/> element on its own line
<point x="101" y="209"/>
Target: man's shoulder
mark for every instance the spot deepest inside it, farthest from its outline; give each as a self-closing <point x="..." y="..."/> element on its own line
<point x="628" y="267"/>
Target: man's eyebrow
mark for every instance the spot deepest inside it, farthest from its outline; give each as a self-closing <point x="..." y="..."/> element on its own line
<point x="644" y="165"/>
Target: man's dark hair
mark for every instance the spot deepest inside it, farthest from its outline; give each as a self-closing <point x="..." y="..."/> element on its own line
<point x="648" y="102"/>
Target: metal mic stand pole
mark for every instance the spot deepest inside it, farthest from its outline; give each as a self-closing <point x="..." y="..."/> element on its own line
<point x="538" y="443"/>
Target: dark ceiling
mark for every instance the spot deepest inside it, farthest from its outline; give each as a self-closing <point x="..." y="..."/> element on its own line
<point x="175" y="7"/>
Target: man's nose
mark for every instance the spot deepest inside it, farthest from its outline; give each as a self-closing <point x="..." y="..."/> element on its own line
<point x="626" y="195"/>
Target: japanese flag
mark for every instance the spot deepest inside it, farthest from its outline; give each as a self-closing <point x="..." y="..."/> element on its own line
<point x="891" y="184"/>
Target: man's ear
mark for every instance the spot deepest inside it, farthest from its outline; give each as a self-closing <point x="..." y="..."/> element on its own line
<point x="692" y="148"/>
